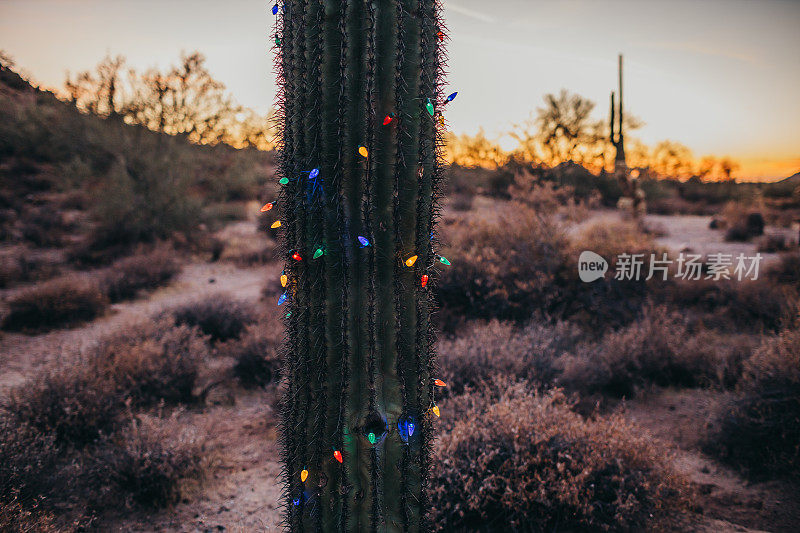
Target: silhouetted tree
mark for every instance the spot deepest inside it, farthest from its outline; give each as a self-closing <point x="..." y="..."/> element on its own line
<point x="728" y="166"/>
<point x="183" y="100"/>
<point x="99" y="92"/>
<point x="672" y="159"/>
<point x="474" y="150"/>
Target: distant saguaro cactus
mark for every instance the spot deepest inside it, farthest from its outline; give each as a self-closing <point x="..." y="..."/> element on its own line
<point x="617" y="137"/>
<point x="360" y="111"/>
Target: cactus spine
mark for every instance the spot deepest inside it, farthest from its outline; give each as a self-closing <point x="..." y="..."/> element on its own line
<point x="359" y="342"/>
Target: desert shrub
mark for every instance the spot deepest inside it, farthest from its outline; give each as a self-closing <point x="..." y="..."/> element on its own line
<point x="42" y="227"/>
<point x="758" y="431"/>
<point x="148" y="463"/>
<point x="502" y="270"/>
<point x="19" y="266"/>
<point x="148" y="197"/>
<point x="220" y="317"/>
<point x="139" y="366"/>
<point x="656" y="349"/>
<point x="460" y="202"/>
<point x="529" y="463"/>
<point x="742" y="222"/>
<point x="607" y="303"/>
<point x="54" y="303"/>
<point x="787" y="270"/>
<point x="773" y="244"/>
<point x="127" y="277"/>
<point x="483" y="351"/>
<point x="257" y="362"/>
<point x="27" y="459"/>
<point x="545" y="197"/>
<point x="730" y="305"/>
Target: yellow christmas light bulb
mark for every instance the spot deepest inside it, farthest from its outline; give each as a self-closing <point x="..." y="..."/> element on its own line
<point x="304" y="475"/>
<point x="411" y="260"/>
<point x="276" y="224"/>
<point x="435" y="410"/>
<point x="363" y="151"/>
<point x="284" y="280"/>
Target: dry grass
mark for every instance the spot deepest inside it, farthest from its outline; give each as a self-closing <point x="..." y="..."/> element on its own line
<point x="257" y="361"/>
<point x="71" y="439"/>
<point x="220" y="317"/>
<point x="55" y="303"/>
<point x="126" y="278"/>
<point x="759" y="431"/>
<point x="150" y="461"/>
<point x="502" y="270"/>
<point x="486" y="350"/>
<point x="658" y="349"/>
<point x="529" y="463"/>
<point x="140" y="366"/>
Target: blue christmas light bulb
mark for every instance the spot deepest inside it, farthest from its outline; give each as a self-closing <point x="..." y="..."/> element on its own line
<point x="363" y="240"/>
<point x="282" y="298"/>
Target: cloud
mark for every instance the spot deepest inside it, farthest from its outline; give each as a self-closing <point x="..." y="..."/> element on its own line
<point x="471" y="13"/>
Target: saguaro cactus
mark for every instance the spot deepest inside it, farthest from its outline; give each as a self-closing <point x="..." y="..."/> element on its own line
<point x="360" y="111"/>
<point x="618" y="142"/>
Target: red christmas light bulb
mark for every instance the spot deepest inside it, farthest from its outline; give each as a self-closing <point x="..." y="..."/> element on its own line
<point x="388" y="118"/>
<point x="337" y="455"/>
<point x="296" y="257"/>
<point x="423" y="280"/>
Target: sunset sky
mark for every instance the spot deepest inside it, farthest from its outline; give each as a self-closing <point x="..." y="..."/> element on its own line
<point x="722" y="77"/>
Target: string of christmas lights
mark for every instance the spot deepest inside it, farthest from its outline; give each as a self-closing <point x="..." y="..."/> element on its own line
<point x="297" y="273"/>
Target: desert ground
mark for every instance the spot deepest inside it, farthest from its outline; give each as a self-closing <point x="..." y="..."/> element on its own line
<point x="240" y="490"/>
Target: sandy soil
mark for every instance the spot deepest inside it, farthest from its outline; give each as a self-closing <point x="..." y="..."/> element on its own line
<point x="688" y="233"/>
<point x="241" y="492"/>
<point x="728" y="501"/>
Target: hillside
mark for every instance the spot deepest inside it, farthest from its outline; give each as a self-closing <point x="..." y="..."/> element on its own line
<point x="79" y="189"/>
<point x="792" y="179"/>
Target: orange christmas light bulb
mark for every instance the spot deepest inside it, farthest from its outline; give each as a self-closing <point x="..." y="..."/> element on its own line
<point x="276" y="224"/>
<point x="284" y="280"/>
<point x="363" y="151"/>
<point x="411" y="260"/>
<point x="267" y="207"/>
<point x="439" y="383"/>
<point x="304" y="475"/>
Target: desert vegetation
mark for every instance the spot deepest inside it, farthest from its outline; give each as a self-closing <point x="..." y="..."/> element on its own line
<point x="142" y="364"/>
